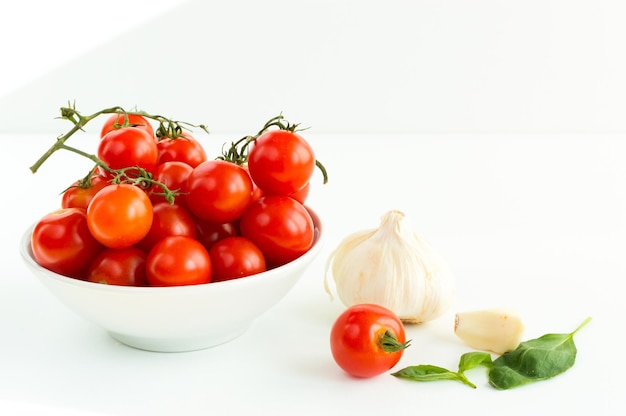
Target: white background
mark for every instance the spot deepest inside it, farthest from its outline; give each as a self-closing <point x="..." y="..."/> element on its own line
<point x="497" y="126"/>
<point x="347" y="65"/>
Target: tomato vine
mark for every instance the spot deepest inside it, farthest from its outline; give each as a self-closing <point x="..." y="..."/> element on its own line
<point x="237" y="151"/>
<point x="167" y="128"/>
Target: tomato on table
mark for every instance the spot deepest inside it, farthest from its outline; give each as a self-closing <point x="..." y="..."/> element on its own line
<point x="281" y="162"/>
<point x="117" y="121"/>
<point x="61" y="242"/>
<point x="122" y="267"/>
<point x="120" y="215"/>
<point x="280" y="226"/>
<point x="178" y="261"/>
<point x="367" y="339"/>
<point x="218" y="191"/>
<point x="235" y="257"/>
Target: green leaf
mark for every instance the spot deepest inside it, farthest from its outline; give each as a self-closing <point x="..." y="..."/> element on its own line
<point x="534" y="360"/>
<point x="425" y="372"/>
<point x="472" y="360"/>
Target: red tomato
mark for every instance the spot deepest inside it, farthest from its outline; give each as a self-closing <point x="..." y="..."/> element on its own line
<point x="168" y="219"/>
<point x="235" y="257"/>
<point x="129" y="147"/>
<point x="208" y="233"/>
<point x="79" y="195"/>
<point x="122" y="267"/>
<point x="366" y="340"/>
<point x="174" y="175"/>
<point x="120" y="215"/>
<point x="281" y="162"/>
<point x="280" y="226"/>
<point x="61" y="242"/>
<point x="178" y="261"/>
<point x="182" y="149"/>
<point x="218" y="191"/>
<point x="257" y="193"/>
<point x="134" y="120"/>
<point x="302" y="194"/>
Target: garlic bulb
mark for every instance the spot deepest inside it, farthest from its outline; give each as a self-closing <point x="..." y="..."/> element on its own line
<point x="497" y="330"/>
<point x="393" y="267"/>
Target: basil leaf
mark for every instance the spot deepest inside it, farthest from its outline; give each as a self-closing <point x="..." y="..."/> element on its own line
<point x="433" y="373"/>
<point x="534" y="360"/>
<point x="425" y="372"/>
<point x="472" y="360"/>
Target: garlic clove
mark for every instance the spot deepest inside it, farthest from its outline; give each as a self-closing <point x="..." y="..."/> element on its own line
<point x="497" y="330"/>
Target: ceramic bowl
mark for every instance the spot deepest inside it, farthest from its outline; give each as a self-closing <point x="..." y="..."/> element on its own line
<point x="175" y="319"/>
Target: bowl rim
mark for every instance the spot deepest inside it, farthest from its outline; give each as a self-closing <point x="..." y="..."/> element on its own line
<point x="318" y="243"/>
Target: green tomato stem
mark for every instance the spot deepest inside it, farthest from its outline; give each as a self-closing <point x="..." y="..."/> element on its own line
<point x="389" y="343"/>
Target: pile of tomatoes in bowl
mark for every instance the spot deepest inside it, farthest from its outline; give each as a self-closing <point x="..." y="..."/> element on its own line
<point x="157" y="211"/>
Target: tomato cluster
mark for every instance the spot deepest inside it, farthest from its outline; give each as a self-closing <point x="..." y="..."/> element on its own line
<point x="156" y="211"/>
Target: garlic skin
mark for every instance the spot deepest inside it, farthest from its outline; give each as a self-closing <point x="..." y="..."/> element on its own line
<point x="497" y="330"/>
<point x="393" y="267"/>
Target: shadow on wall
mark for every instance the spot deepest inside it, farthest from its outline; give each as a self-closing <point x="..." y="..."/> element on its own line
<point x="347" y="66"/>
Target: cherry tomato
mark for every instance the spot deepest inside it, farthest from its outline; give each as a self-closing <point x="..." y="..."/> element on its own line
<point x="129" y="147"/>
<point x="135" y="120"/>
<point x="257" y="193"/>
<point x="366" y="340"/>
<point x="280" y="226"/>
<point x="168" y="219"/>
<point x="61" y="242"/>
<point x="182" y="149"/>
<point x="235" y="257"/>
<point x="302" y="194"/>
<point x="218" y="191"/>
<point x="79" y="195"/>
<point x="208" y="233"/>
<point x="174" y="175"/>
<point x="120" y="215"/>
<point x="122" y="267"/>
<point x="178" y="261"/>
<point x="281" y="162"/>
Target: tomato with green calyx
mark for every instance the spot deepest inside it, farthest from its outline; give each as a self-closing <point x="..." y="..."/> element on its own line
<point x="281" y="162"/>
<point x="129" y="147"/>
<point x="80" y="194"/>
<point x="280" y="226"/>
<point x="184" y="148"/>
<point x="178" y="261"/>
<point x="367" y="339"/>
<point x="218" y="191"/>
<point x="174" y="176"/>
<point x="61" y="242"/>
<point x="117" y="121"/>
<point x="121" y="267"/>
<point x="235" y="257"/>
<point x="120" y="215"/>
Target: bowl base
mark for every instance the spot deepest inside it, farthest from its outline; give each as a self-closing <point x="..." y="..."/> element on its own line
<point x="177" y="344"/>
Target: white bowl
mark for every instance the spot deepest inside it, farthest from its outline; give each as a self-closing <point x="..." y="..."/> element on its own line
<point x="175" y="319"/>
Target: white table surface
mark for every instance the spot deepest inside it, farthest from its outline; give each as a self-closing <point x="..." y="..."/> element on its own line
<point x="532" y="222"/>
